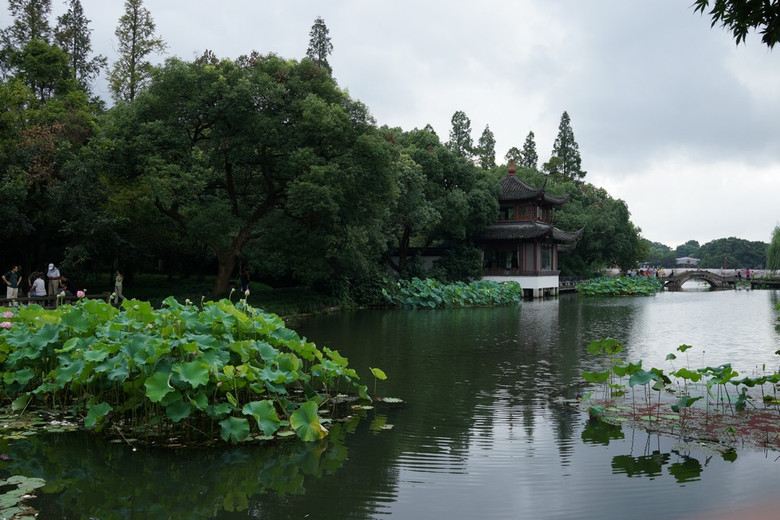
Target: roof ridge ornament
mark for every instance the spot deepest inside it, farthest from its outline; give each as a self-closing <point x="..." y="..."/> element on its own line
<point x="512" y="168"/>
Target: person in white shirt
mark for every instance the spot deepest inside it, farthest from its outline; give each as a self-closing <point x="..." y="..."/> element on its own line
<point x="38" y="287"/>
<point x="53" y="274"/>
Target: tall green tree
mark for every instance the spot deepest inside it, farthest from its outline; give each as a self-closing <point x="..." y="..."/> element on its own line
<point x="260" y="150"/>
<point x="136" y="40"/>
<point x="742" y="16"/>
<point x="529" y="157"/>
<point x="565" y="161"/>
<point x="514" y="155"/>
<point x="773" y="251"/>
<point x="73" y="35"/>
<point x="30" y="22"/>
<point x="320" y="46"/>
<point x="461" y="143"/>
<point x="486" y="149"/>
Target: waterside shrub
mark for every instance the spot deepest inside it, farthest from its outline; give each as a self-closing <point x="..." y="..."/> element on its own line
<point x="620" y="286"/>
<point x="183" y="371"/>
<point x="431" y="294"/>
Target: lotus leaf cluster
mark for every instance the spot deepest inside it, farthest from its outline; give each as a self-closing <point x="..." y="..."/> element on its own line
<point x="621" y="286"/>
<point x="432" y="294"/>
<point x="183" y="371"/>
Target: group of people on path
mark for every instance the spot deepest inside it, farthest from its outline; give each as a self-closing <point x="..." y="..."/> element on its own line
<point x="56" y="282"/>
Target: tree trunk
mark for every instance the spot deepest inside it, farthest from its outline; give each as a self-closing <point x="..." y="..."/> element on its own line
<point x="227" y="263"/>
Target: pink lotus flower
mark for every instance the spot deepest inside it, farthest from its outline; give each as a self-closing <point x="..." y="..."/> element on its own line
<point x="6" y="325"/>
<point x="8" y="314"/>
<point x="80" y="294"/>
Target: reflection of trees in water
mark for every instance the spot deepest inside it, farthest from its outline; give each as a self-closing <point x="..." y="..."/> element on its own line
<point x="110" y="481"/>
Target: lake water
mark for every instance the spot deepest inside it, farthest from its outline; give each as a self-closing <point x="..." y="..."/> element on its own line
<point x="476" y="436"/>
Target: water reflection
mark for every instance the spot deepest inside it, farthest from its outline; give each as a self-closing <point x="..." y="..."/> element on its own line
<point x="111" y="481"/>
<point x="679" y="462"/>
<point x="476" y="437"/>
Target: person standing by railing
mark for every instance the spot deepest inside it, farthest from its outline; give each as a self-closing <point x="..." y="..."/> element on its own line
<point x="53" y="274"/>
<point x="11" y="279"/>
<point x="118" y="288"/>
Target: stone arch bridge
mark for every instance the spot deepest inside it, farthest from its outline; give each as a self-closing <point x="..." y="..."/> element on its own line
<point x="675" y="282"/>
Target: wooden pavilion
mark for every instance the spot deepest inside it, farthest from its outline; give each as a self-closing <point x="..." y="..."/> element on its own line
<point x="522" y="245"/>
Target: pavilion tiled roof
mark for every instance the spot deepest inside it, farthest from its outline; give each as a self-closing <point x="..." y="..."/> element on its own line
<point x="528" y="230"/>
<point x="513" y="190"/>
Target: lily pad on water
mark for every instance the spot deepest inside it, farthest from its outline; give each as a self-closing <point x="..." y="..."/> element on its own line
<point x="12" y="500"/>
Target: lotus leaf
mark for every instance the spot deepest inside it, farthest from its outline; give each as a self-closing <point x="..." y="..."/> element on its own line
<point x="305" y="421"/>
<point x="234" y="429"/>
<point x="157" y="386"/>
<point x="96" y="413"/>
<point x="264" y="414"/>
<point x="195" y="373"/>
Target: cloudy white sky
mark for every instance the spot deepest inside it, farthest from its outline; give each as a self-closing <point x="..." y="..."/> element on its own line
<point x="669" y="114"/>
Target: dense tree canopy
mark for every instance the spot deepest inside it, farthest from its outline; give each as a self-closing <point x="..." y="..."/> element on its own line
<point x="732" y="253"/>
<point x="659" y="255"/>
<point x="444" y="200"/>
<point x="229" y="150"/>
<point x="260" y="162"/>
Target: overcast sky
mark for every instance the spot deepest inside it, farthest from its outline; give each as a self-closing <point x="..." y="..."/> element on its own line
<point x="669" y="114"/>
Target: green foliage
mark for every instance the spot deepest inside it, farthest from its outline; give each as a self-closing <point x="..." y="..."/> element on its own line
<point x="461" y="142"/>
<point x="431" y="294"/>
<point x="733" y="252"/>
<point x="659" y="255"/>
<point x="743" y="16"/>
<point x="621" y="286"/>
<point x="773" y="251"/>
<point x="142" y="367"/>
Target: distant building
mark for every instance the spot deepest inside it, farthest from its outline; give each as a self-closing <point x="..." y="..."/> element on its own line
<point x="687" y="260"/>
<point x="522" y="245"/>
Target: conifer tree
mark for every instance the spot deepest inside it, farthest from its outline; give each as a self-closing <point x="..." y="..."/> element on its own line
<point x="30" y="22"/>
<point x="529" y="157"/>
<point x="72" y="34"/>
<point x="460" y="142"/>
<point x="320" y="46"/>
<point x="487" y="149"/>
<point x="136" y="41"/>
<point x="565" y="161"/>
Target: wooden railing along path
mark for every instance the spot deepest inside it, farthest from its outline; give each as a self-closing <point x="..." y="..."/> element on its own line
<point x="50" y="301"/>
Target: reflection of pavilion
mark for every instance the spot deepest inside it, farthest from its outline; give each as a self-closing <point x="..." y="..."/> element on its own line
<point x="522" y="246"/>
